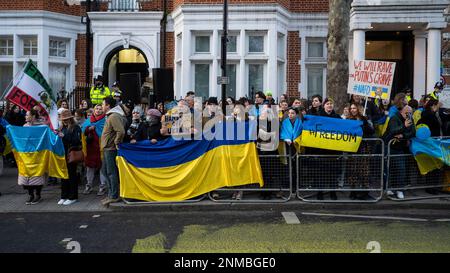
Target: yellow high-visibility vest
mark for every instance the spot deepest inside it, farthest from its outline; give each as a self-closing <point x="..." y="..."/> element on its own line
<point x="98" y="94"/>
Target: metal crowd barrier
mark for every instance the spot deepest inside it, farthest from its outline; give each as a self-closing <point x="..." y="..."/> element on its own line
<point x="140" y="202"/>
<point x="359" y="175"/>
<point x="403" y="175"/>
<point x="277" y="175"/>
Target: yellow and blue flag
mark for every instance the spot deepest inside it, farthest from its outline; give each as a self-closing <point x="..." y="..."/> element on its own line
<point x="99" y="125"/>
<point x="176" y="170"/>
<point x="38" y="151"/>
<point x="430" y="153"/>
<point x="331" y="133"/>
<point x="7" y="149"/>
<point x="292" y="132"/>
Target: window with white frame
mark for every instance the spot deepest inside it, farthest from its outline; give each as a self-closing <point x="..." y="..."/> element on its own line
<point x="281" y="45"/>
<point x="232" y="44"/>
<point x="256" y="43"/>
<point x="6" y="46"/>
<point x="58" y="48"/>
<point x="30" y="47"/>
<point x="57" y="76"/>
<point x="6" y="76"/>
<point x="202" y="44"/>
<point x="281" y="78"/>
<point x="315" y="80"/>
<point x="231" y="74"/>
<point x="255" y="78"/>
<point x="316" y="49"/>
<point x="201" y="75"/>
<point x="178" y="47"/>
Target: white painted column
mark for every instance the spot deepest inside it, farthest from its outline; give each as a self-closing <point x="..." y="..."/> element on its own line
<point x="242" y="79"/>
<point x="43" y="54"/>
<point x="216" y="69"/>
<point x="420" y="59"/>
<point x="302" y="85"/>
<point x="434" y="58"/>
<point x="73" y="63"/>
<point x="186" y="72"/>
<point x="17" y="53"/>
<point x="272" y="64"/>
<point x="359" y="44"/>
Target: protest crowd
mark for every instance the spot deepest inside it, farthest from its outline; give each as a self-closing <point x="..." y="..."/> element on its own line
<point x="92" y="133"/>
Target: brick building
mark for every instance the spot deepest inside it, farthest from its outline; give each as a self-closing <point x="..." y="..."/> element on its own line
<point x="276" y="45"/>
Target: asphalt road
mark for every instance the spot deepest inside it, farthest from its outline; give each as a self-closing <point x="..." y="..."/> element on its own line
<point x="244" y="231"/>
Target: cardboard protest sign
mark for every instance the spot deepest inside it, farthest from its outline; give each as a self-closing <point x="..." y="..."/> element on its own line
<point x="371" y="78"/>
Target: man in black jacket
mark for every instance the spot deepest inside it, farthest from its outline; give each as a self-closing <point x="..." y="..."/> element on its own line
<point x="400" y="129"/>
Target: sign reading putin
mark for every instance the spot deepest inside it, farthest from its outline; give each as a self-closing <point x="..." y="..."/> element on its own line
<point x="371" y="78"/>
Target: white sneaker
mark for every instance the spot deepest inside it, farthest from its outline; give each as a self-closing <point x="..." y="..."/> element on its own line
<point x="62" y="201"/>
<point x="69" y="202"/>
<point x="390" y="193"/>
<point x="400" y="195"/>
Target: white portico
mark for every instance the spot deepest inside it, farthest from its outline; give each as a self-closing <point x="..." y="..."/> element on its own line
<point x="113" y="31"/>
<point x="424" y="18"/>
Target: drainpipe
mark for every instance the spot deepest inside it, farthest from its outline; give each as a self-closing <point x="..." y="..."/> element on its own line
<point x="88" y="45"/>
<point x="163" y="36"/>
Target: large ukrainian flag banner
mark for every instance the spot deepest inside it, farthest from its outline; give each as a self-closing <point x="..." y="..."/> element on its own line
<point x="176" y="170"/>
<point x="430" y="153"/>
<point x="331" y="133"/>
<point x="37" y="151"/>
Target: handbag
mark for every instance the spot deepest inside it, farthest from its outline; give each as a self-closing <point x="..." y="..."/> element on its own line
<point x="75" y="155"/>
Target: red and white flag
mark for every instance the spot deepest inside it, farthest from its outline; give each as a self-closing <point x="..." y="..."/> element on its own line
<point x="30" y="89"/>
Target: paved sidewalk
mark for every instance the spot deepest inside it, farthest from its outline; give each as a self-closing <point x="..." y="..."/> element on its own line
<point x="14" y="196"/>
<point x="13" y="200"/>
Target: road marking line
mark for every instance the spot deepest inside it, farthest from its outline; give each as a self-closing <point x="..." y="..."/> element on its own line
<point x="290" y="217"/>
<point x="96" y="216"/>
<point x="84" y="226"/>
<point x="67" y="240"/>
<point x="366" y="216"/>
<point x="442" y="220"/>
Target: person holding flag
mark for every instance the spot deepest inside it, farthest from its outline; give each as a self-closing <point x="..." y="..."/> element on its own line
<point x="92" y="130"/>
<point x="291" y="128"/>
<point x="32" y="184"/>
<point x="71" y="137"/>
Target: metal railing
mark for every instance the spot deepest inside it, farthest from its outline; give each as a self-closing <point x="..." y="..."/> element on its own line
<point x="360" y="175"/>
<point x="124" y="5"/>
<point x="403" y="174"/>
<point x="277" y="175"/>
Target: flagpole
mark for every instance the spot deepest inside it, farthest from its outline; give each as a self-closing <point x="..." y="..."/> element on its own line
<point x="365" y="106"/>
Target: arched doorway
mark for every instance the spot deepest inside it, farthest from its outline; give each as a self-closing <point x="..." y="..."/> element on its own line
<point x="128" y="66"/>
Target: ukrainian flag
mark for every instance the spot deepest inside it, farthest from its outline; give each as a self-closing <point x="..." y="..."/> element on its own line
<point x="430" y="153"/>
<point x="99" y="125"/>
<point x="7" y="150"/>
<point x="37" y="151"/>
<point x="176" y="170"/>
<point x="331" y="133"/>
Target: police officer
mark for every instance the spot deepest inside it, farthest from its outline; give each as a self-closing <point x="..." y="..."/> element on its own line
<point x="116" y="92"/>
<point x="99" y="91"/>
<point x="438" y="87"/>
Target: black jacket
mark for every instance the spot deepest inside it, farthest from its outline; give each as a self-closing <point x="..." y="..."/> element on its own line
<point x="430" y="119"/>
<point x="72" y="138"/>
<point x="396" y="126"/>
<point x="138" y="133"/>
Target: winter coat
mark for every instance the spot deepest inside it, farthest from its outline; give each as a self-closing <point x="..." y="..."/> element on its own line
<point x="114" y="130"/>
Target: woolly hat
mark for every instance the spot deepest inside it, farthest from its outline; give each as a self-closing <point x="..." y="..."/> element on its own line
<point x="154" y="112"/>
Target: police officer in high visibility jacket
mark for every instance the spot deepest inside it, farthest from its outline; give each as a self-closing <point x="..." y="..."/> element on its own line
<point x="99" y="91"/>
<point x="438" y="87"/>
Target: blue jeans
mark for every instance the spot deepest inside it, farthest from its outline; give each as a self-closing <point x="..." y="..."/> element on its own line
<point x="112" y="173"/>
